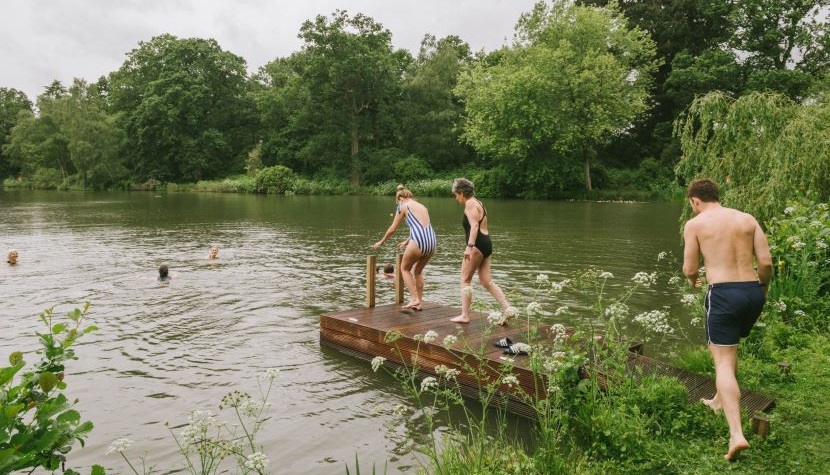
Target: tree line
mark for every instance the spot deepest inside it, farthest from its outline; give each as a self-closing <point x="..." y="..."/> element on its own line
<point x="585" y="96"/>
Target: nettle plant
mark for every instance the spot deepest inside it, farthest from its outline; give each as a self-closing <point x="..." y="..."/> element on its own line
<point x="38" y="425"/>
<point x="800" y="244"/>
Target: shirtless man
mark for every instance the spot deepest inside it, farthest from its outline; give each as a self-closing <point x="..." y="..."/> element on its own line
<point x="730" y="242"/>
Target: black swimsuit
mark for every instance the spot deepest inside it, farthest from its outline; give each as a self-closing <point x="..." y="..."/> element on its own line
<point x="483" y="242"/>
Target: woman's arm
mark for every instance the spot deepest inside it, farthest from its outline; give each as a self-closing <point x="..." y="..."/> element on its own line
<point x="472" y="212"/>
<point x="399" y="216"/>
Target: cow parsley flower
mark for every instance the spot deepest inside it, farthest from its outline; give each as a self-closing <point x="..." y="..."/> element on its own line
<point x="119" y="445"/>
<point x="377" y="362"/>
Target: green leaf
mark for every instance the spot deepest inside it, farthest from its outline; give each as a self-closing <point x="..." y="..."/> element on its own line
<point x="15" y="358"/>
<point x="47" y="381"/>
<point x="70" y="417"/>
<point x="58" y="328"/>
<point x="98" y="470"/>
<point x="7" y="373"/>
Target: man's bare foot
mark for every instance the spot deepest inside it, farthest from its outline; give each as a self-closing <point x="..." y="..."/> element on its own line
<point x="735" y="447"/>
<point x="713" y="404"/>
<point x="460" y="319"/>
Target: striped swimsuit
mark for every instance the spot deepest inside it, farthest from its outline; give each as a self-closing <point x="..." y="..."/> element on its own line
<point x="424" y="236"/>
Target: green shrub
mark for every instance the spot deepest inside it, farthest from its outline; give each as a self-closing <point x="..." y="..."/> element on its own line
<point x="275" y="180"/>
<point x="411" y="168"/>
<point x="38" y="425"/>
<point x="47" y="179"/>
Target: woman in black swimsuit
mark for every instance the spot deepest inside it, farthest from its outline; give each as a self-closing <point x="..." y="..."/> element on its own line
<point x="478" y="253"/>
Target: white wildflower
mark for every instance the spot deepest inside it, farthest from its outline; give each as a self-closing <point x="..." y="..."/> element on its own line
<point x="821" y="244"/>
<point x="689" y="300"/>
<point x="799" y="313"/>
<point x="467" y="290"/>
<point x="542" y="279"/>
<point x="662" y="255"/>
<point x="695" y="322"/>
<point x="534" y="308"/>
<point x="202" y="419"/>
<point x="447" y="373"/>
<point x="558" y="330"/>
<point x="655" y="321"/>
<point x="418" y="337"/>
<point x="119" y="445"/>
<point x="557" y="287"/>
<point x="780" y="305"/>
<point x="510" y="380"/>
<point x="431" y="336"/>
<point x="250" y="408"/>
<point x="645" y="279"/>
<point x="789" y="210"/>
<point x="495" y="317"/>
<point x="450" y="340"/>
<point x="798" y="245"/>
<point x="561" y="311"/>
<point x="256" y="461"/>
<point x="616" y="311"/>
<point x="429" y="383"/>
<point x="377" y="362"/>
<point x="270" y="374"/>
<point x="605" y="275"/>
<point x="674" y="280"/>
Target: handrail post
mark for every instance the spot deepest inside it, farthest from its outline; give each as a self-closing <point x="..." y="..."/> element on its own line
<point x="371" y="273"/>
<point x="398" y="279"/>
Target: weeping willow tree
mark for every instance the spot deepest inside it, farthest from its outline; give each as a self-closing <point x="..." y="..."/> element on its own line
<point x="762" y="149"/>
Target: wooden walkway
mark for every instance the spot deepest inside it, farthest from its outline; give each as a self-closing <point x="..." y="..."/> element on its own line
<point x="361" y="333"/>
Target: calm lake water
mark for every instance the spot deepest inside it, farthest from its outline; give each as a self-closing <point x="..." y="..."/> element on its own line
<point x="164" y="350"/>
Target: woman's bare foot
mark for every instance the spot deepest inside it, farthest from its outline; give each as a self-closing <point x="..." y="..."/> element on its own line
<point x="412" y="304"/>
<point x="460" y="319"/>
<point x="713" y="404"/>
<point x="735" y="447"/>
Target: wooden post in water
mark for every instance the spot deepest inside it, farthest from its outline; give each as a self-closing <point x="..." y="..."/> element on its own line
<point x="398" y="279"/>
<point x="371" y="273"/>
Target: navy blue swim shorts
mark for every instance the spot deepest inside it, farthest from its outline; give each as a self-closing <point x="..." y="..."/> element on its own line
<point x="732" y="308"/>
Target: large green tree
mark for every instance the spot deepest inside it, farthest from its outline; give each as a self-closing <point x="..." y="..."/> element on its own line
<point x="352" y="74"/>
<point x="14" y="106"/>
<point x="72" y="136"/>
<point x="762" y="148"/>
<point x="577" y="77"/>
<point x="187" y="108"/>
<point x="430" y="111"/>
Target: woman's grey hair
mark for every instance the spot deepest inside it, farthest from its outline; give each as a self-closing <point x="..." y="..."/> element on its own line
<point x="463" y="186"/>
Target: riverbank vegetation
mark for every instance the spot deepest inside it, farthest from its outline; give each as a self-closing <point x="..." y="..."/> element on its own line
<point x="580" y="104"/>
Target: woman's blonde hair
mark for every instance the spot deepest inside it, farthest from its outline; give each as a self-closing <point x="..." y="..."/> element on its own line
<point x="403" y="193"/>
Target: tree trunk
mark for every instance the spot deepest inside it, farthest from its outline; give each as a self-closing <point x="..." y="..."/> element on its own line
<point x="355" y="162"/>
<point x="588" y="171"/>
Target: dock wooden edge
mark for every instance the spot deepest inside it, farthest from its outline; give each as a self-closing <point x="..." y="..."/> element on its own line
<point x="361" y="333"/>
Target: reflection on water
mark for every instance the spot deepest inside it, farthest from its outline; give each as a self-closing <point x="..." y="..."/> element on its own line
<point x="163" y="350"/>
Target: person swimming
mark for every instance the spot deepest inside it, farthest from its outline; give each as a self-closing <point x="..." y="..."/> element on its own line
<point x="12" y="257"/>
<point x="213" y="253"/>
<point x="164" y="274"/>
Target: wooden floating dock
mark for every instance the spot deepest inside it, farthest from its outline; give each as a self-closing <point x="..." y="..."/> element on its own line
<point x="362" y="332"/>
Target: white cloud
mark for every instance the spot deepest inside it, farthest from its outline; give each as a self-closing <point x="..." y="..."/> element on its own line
<point x="44" y="40"/>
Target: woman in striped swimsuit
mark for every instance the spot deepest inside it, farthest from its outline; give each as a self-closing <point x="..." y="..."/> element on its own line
<point x="419" y="247"/>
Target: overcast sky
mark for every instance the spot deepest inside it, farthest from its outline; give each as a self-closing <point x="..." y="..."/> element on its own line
<point x="44" y="40"/>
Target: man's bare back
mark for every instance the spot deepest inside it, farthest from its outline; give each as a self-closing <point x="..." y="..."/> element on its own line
<point x="730" y="242"/>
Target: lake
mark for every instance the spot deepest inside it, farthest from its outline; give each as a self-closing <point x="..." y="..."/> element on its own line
<point x="164" y="350"/>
